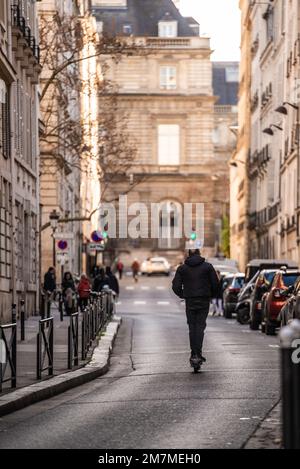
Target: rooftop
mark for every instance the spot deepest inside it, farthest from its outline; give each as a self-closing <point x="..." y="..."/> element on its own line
<point x="140" y="18"/>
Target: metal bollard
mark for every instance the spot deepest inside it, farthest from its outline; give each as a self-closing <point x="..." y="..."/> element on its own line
<point x="60" y="306"/>
<point x="22" y="319"/>
<point x="13" y="313"/>
<point x="290" y="380"/>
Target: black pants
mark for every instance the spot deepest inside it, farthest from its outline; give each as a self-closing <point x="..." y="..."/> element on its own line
<point x="196" y="312"/>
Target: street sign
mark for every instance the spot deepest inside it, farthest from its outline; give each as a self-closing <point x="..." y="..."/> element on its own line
<point x="63" y="245"/>
<point x="62" y="257"/>
<point x="63" y="235"/>
<point x="194" y="244"/>
<point x="96" y="247"/>
<point x="97" y="236"/>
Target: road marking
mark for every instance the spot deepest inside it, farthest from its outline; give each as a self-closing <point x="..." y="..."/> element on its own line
<point x="139" y="302"/>
<point x="118" y="303"/>
<point x="145" y="288"/>
<point x="245" y="418"/>
<point x="129" y="288"/>
<point x="160" y="288"/>
<point x="163" y="302"/>
<point x="274" y="346"/>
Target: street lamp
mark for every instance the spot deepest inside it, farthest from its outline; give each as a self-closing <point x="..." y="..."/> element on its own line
<point x="283" y="110"/>
<point x="269" y="130"/>
<point x="234" y="163"/>
<point x="54" y="217"/>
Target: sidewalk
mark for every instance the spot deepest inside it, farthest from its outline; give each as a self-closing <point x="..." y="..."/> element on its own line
<point x="268" y="435"/>
<point x="27" y="349"/>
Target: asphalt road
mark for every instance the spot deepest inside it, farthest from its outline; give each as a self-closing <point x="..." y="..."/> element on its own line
<point x="150" y="398"/>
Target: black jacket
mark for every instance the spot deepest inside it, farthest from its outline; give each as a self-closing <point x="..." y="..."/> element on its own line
<point x="196" y="279"/>
<point x="49" y="282"/>
<point x="100" y="282"/>
<point x="113" y="283"/>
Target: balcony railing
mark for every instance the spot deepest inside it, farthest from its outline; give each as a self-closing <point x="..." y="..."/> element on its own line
<point x="266" y="215"/>
<point x="19" y="22"/>
<point x="168" y="42"/>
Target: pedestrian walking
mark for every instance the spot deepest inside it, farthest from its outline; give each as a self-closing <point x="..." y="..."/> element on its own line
<point x="196" y="282"/>
<point x="120" y="268"/>
<point x="84" y="290"/>
<point x="100" y="281"/>
<point x="68" y="291"/>
<point x="135" y="267"/>
<point x="217" y="303"/>
<point x="112" y="280"/>
<point x="50" y="280"/>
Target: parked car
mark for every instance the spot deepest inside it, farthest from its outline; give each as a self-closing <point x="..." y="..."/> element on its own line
<point x="232" y="286"/>
<point x="262" y="285"/>
<point x="242" y="308"/>
<point x="291" y="308"/>
<point x="256" y="265"/>
<point x="156" y="265"/>
<point x="276" y="298"/>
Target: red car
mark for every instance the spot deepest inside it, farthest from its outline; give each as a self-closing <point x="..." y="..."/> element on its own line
<point x="274" y="300"/>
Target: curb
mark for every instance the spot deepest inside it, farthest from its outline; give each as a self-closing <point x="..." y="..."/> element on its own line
<point x="268" y="434"/>
<point x="98" y="366"/>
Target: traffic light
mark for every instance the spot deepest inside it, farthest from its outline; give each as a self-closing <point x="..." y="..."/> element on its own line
<point x="193" y="236"/>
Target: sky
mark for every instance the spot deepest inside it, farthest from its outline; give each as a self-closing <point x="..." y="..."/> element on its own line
<point x="219" y="19"/>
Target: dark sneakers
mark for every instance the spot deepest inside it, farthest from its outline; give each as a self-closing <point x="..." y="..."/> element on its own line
<point x="197" y="359"/>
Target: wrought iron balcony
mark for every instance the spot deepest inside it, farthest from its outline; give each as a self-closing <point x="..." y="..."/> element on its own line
<point x="19" y="23"/>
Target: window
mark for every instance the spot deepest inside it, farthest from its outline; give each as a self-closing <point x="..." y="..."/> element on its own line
<point x="232" y="74"/>
<point x="168" y="144"/>
<point x="127" y="29"/>
<point x="168" y="29"/>
<point x="168" y="78"/>
<point x="5" y="226"/>
<point x="4" y="120"/>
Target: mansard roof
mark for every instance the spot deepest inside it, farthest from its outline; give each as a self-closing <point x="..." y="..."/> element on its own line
<point x="143" y="16"/>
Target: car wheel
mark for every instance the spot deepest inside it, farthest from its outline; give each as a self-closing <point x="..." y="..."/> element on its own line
<point x="227" y="312"/>
<point x="270" y="329"/>
<point x="243" y="315"/>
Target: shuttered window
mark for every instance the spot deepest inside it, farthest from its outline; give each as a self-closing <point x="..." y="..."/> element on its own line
<point x="168" y="144"/>
<point x="5" y="226"/>
<point x="4" y="121"/>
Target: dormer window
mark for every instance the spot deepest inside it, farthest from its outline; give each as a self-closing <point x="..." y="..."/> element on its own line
<point x="127" y="29"/>
<point x="168" y="26"/>
<point x="168" y="29"/>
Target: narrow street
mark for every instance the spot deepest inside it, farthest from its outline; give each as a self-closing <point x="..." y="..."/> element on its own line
<point x="150" y="398"/>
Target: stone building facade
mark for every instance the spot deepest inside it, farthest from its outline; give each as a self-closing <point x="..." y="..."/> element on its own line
<point x="61" y="141"/>
<point x="239" y="182"/>
<point x="168" y="97"/>
<point x="269" y="109"/>
<point x="19" y="156"/>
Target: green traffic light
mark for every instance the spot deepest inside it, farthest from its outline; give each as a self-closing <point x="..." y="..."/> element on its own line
<point x="193" y="236"/>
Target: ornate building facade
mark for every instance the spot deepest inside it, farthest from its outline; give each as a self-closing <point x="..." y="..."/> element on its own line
<point x="167" y="96"/>
<point x="19" y="156"/>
